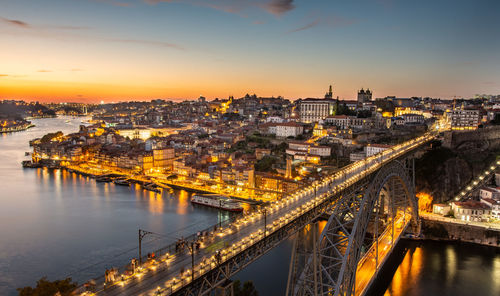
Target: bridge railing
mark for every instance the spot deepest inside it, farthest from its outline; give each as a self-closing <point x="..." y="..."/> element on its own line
<point x="210" y="231"/>
<point x="168" y="250"/>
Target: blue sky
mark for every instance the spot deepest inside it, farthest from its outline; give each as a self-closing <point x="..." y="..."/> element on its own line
<point x="143" y="49"/>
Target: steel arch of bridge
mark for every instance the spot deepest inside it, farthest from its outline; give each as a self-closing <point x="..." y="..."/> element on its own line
<point x="330" y="268"/>
<point x="344" y="199"/>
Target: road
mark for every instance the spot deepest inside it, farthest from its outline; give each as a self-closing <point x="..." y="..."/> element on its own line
<point x="163" y="276"/>
<point x="367" y="266"/>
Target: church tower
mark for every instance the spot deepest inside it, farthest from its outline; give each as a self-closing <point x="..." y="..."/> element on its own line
<point x="329" y="94"/>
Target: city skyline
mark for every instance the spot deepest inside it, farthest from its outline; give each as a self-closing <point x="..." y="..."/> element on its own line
<point x="93" y="50"/>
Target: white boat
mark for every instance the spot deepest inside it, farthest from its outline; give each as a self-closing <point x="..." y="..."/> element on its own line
<point x="217" y="201"/>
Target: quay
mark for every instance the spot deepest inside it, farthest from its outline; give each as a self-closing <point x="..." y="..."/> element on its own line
<point x="16" y="128"/>
<point x="435" y="227"/>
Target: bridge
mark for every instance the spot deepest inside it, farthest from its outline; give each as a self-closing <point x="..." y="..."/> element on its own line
<point x="368" y="205"/>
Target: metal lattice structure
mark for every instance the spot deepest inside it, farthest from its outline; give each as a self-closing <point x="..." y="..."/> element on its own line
<point x="331" y="265"/>
<point x="350" y="211"/>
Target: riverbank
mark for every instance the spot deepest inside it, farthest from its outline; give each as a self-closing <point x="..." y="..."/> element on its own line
<point x="448" y="231"/>
<point x="16" y="128"/>
<point x="67" y="224"/>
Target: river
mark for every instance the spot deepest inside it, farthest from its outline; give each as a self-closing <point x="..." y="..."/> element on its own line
<point x="58" y="224"/>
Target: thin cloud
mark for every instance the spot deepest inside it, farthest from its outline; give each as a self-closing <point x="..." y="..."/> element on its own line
<point x="274" y="7"/>
<point x="76" y="70"/>
<point x="332" y="22"/>
<point x="44" y="71"/>
<point x="279" y="7"/>
<point x="67" y="27"/>
<point x="12" y="76"/>
<point x="115" y="3"/>
<point x="305" y="27"/>
<point x="59" y="32"/>
<point x="16" y="23"/>
<point x="25" y="25"/>
<point x="148" y="42"/>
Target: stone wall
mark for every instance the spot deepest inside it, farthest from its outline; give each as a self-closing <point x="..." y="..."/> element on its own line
<point x="489" y="136"/>
<point x="439" y="230"/>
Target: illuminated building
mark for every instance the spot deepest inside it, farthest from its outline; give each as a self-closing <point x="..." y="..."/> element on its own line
<point x="364" y="97"/>
<point x="288" y="129"/>
<point x="471" y="210"/>
<point x="314" y="110"/>
<point x="464" y="119"/>
<point x="372" y="149"/>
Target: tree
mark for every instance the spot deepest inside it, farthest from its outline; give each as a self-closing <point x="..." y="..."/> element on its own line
<point x="265" y="164"/>
<point x="248" y="289"/>
<point x="45" y="287"/>
<point x="48" y="137"/>
<point x="280" y="149"/>
<point x="364" y="113"/>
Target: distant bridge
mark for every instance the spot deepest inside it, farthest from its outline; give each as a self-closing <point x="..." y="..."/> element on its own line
<point x="370" y="203"/>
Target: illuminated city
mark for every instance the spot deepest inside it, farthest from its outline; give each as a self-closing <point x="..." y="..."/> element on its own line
<point x="244" y="148"/>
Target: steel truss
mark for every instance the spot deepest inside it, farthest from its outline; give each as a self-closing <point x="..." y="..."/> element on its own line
<point x="216" y="277"/>
<point x="331" y="264"/>
<point x="344" y="204"/>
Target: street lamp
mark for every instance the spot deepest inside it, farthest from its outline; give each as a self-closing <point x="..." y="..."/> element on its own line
<point x="192" y="261"/>
<point x="264" y="211"/>
<point x="142" y="234"/>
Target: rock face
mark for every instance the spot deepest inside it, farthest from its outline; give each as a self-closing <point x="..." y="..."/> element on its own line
<point x="443" y="172"/>
<point x="446" y="180"/>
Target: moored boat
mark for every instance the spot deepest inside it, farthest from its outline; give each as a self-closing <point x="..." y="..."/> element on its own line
<point x="30" y="164"/>
<point x="152" y="187"/>
<point x="103" y="179"/>
<point x="217" y="201"/>
<point x="122" y="182"/>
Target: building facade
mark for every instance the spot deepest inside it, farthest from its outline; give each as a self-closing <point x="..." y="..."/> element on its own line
<point x="372" y="149"/>
<point x="464" y="119"/>
<point x="314" y="110"/>
<point x="288" y="129"/>
<point x="364" y="96"/>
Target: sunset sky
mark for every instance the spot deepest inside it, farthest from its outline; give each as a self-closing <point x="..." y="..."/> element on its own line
<point x="116" y="50"/>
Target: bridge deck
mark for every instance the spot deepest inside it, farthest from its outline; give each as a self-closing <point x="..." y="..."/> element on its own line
<point x="164" y="274"/>
<point x="373" y="260"/>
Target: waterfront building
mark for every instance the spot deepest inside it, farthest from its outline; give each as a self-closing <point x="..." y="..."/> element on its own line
<point x="471" y="210"/>
<point x="441" y="209"/>
<point x="163" y="158"/>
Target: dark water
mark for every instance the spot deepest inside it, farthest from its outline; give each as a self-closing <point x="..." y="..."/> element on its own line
<point x="55" y="223"/>
<point x="415" y="269"/>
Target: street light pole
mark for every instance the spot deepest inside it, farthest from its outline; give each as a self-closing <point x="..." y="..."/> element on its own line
<point x="192" y="261"/>
<point x="142" y="234"/>
<point x="264" y="211"/>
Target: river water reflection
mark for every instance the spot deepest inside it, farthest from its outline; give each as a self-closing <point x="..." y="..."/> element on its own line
<point x="55" y="223"/>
